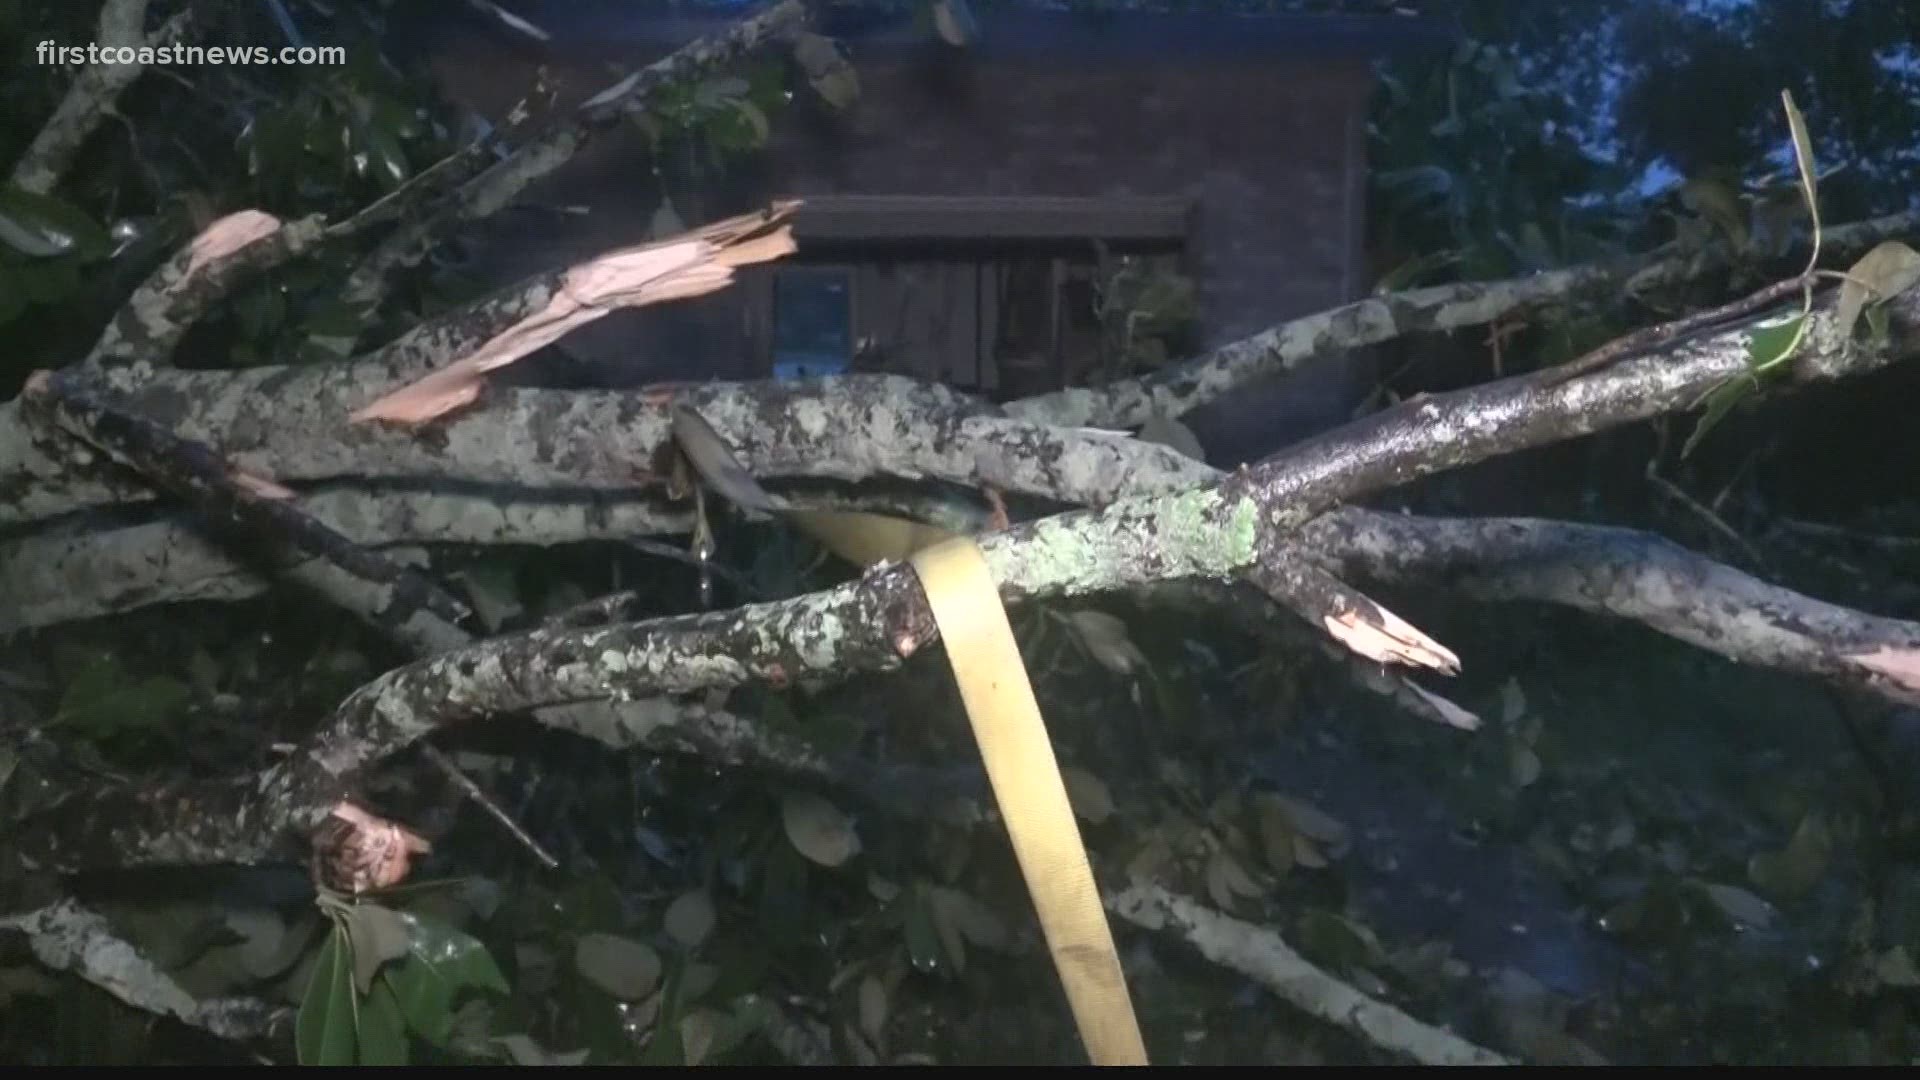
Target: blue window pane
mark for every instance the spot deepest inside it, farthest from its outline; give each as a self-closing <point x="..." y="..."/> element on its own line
<point x="812" y="322"/>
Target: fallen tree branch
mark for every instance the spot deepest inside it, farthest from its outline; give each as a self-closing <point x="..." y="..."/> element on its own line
<point x="254" y="511"/>
<point x="1630" y="575"/>
<point x="1326" y="335"/>
<point x="495" y="188"/>
<point x="92" y="95"/>
<point x="1258" y="953"/>
<point x="66" y="936"/>
<point x="289" y="423"/>
<point x="202" y="273"/>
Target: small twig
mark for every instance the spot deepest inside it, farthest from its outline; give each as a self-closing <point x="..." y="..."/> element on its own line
<point x="1259" y="953"/>
<point x="1899" y="545"/>
<point x="1663" y="334"/>
<point x="1713" y="521"/>
<point x="451" y="771"/>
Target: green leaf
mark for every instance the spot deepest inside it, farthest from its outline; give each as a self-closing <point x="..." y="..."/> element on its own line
<point x="624" y="968"/>
<point x="756" y="119"/>
<point x="1889" y="269"/>
<point x="690" y="918"/>
<point x="458" y="956"/>
<point x="923" y="941"/>
<point x="103" y="699"/>
<point x="13" y="292"/>
<point x="383" y="1037"/>
<point x="818" y="829"/>
<point x="377" y="934"/>
<point x="1803" y="158"/>
<point x="1774" y="341"/>
<point x="324" y="1030"/>
<point x="1719" y="402"/>
<point x="667" y="1047"/>
<point x="388" y="158"/>
<point x="53" y="280"/>
<point x="42" y="226"/>
<point x="441" y="961"/>
<point x="424" y="997"/>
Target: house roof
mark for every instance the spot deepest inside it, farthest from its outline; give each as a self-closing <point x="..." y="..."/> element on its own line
<point x="1008" y="29"/>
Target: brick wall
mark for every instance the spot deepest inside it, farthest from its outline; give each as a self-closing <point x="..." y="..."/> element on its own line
<point x="1270" y="151"/>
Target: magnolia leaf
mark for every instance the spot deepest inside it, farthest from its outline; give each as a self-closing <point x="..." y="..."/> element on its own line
<point x="1741" y="906"/>
<point x="873" y="1007"/>
<point x="1773" y="341"/>
<point x="699" y="1032"/>
<point x="1803" y="159"/>
<point x="323" y="1032"/>
<point x="828" y="71"/>
<point x="40" y="225"/>
<point x="377" y="935"/>
<point x="264" y="950"/>
<point x="1513" y="703"/>
<point x="1228" y="881"/>
<point x="1888" y="270"/>
<point x="863" y="1054"/>
<point x="1895" y="968"/>
<point x="1306" y="854"/>
<point x="923" y="942"/>
<point x="1310" y="820"/>
<point x="1088" y="793"/>
<point x="714" y="460"/>
<point x="1718" y="203"/>
<point x="697" y="979"/>
<point x="493" y="588"/>
<point x="690" y="918"/>
<point x="755" y="118"/>
<point x="1720" y="401"/>
<point x="382" y="1033"/>
<point x="952" y="942"/>
<point x="1276" y="833"/>
<point x="1793" y="871"/>
<point x="625" y="968"/>
<point x="1106" y="640"/>
<point x="1523" y="765"/>
<point x="818" y="829"/>
<point x="973" y="919"/>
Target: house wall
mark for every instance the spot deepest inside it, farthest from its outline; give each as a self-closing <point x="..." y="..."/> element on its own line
<point x="1271" y="153"/>
<point x="1270" y="150"/>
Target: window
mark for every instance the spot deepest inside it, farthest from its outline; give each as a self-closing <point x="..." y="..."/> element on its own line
<point x="812" y="321"/>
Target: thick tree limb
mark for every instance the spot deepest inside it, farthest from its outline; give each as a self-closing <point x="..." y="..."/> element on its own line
<point x="255" y="511"/>
<point x="289" y="423"/>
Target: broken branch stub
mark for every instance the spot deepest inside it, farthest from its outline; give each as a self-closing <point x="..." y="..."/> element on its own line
<point x="692" y="264"/>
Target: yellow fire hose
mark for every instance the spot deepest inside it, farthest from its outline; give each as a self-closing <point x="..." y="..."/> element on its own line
<point x="1032" y="796"/>
<point x="1007" y="726"/>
